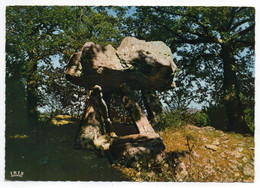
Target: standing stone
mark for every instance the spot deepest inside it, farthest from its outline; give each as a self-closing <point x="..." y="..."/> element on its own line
<point x="152" y="105"/>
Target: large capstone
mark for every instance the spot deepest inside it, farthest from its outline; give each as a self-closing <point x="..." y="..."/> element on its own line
<point x="139" y="64"/>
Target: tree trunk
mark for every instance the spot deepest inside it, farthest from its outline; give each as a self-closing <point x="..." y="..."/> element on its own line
<point x="15" y="105"/>
<point x="32" y="96"/>
<point x="235" y="114"/>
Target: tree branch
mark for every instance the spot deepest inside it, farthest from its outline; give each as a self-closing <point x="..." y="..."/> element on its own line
<point x="195" y="19"/>
<point x="240" y="9"/>
<point x="240" y="23"/>
<point x="248" y="29"/>
<point x="194" y="41"/>
<point x="201" y="38"/>
<point x="241" y="43"/>
<point x="233" y="12"/>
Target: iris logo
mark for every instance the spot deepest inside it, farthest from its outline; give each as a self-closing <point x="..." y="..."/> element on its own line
<point x="16" y="174"/>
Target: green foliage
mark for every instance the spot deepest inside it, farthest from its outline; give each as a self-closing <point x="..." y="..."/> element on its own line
<point x="180" y="118"/>
<point x="249" y="118"/>
<point x="39" y="42"/>
<point x="170" y="120"/>
<point x="249" y="111"/>
<point x="200" y="119"/>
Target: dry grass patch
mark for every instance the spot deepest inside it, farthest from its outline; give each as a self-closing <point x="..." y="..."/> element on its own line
<point x="61" y="120"/>
<point x="199" y="154"/>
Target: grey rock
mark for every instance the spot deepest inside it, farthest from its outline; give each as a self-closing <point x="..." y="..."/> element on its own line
<point x="233" y="161"/>
<point x="222" y="134"/>
<point x="233" y="166"/>
<point x="209" y="170"/>
<point x="248" y="171"/>
<point x="225" y="141"/>
<point x="195" y="154"/>
<point x="204" y="160"/>
<point x="225" y="146"/>
<point x="216" y="142"/>
<point x="223" y="155"/>
<point x="220" y="169"/>
<point x="235" y="154"/>
<point x="204" y="140"/>
<point x="88" y="135"/>
<point x="209" y="128"/>
<point x="192" y="127"/>
<point x="229" y="180"/>
<point x="212" y="161"/>
<point x="239" y="149"/>
<point x="181" y="169"/>
<point x="212" y="147"/>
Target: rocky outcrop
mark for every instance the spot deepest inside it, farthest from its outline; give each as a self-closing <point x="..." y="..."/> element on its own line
<point x="139" y="64"/>
<point x="217" y="156"/>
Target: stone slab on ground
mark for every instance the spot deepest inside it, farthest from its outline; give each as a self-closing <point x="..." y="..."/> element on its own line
<point x="130" y="146"/>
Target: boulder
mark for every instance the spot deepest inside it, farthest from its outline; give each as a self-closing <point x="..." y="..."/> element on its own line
<point x="139" y="64"/>
<point x="130" y="147"/>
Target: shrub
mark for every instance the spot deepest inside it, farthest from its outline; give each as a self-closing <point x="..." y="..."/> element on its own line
<point x="171" y="119"/>
<point x="200" y="119"/>
<point x="249" y="118"/>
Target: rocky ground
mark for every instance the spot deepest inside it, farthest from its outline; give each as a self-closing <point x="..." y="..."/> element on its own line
<point x="199" y="155"/>
<point x="215" y="155"/>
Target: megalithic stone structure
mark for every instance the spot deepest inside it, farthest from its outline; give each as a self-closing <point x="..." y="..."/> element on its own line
<point x="135" y="65"/>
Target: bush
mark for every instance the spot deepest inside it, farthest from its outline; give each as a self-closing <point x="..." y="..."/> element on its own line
<point x="200" y="119"/>
<point x="171" y="119"/>
<point x="249" y="118"/>
<point x="180" y="118"/>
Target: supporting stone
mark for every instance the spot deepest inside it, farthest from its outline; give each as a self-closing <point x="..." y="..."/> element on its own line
<point x="89" y="129"/>
<point x="102" y="109"/>
<point x="95" y="131"/>
<point x="95" y="121"/>
<point x="135" y="111"/>
<point x="152" y="104"/>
